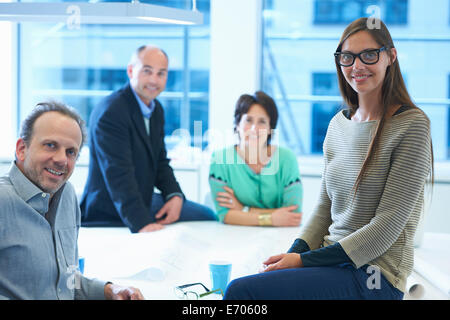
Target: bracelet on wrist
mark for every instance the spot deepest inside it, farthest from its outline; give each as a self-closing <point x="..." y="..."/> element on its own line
<point x="265" y="219"/>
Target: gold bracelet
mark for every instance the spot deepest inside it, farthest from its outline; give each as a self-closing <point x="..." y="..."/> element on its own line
<point x="265" y="219"/>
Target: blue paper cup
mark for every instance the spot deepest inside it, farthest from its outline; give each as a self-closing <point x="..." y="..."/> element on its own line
<point x="81" y="264"/>
<point x="220" y="272"/>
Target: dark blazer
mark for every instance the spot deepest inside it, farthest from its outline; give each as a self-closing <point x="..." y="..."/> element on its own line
<point x="125" y="163"/>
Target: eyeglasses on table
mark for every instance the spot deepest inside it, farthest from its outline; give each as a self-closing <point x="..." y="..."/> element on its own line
<point x="182" y="293"/>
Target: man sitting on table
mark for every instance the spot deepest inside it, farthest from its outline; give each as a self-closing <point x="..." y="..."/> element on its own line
<point x="128" y="156"/>
<point x="40" y="216"/>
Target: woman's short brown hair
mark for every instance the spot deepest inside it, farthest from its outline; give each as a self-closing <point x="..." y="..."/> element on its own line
<point x="245" y="102"/>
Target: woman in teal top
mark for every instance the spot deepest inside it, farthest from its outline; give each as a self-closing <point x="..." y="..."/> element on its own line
<point x="255" y="182"/>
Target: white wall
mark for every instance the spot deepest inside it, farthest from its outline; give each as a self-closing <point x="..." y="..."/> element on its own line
<point x="235" y="57"/>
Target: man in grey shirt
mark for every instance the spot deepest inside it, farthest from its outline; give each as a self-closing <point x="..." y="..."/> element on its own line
<point x="40" y="215"/>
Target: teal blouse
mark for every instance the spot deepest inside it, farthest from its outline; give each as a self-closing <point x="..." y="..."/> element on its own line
<point x="277" y="185"/>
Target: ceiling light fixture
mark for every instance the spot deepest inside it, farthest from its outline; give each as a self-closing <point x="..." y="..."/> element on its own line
<point x="98" y="13"/>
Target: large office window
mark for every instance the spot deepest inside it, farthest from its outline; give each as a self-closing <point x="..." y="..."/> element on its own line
<point x="345" y="11"/>
<point x="324" y="84"/>
<point x="300" y="37"/>
<point x="80" y="66"/>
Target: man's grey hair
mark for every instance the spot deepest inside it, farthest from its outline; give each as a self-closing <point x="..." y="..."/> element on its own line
<point x="135" y="56"/>
<point x="26" y="131"/>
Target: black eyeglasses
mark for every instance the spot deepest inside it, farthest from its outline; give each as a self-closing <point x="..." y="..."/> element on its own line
<point x="192" y="295"/>
<point x="347" y="59"/>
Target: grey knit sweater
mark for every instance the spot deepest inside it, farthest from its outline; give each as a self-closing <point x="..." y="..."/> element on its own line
<point x="376" y="225"/>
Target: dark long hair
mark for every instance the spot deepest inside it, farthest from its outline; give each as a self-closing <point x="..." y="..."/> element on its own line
<point x="393" y="91"/>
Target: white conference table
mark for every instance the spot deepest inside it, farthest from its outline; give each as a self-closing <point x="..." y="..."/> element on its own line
<point x="156" y="262"/>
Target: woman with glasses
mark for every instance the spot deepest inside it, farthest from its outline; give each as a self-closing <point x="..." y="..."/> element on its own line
<point x="255" y="182"/>
<point x="358" y="243"/>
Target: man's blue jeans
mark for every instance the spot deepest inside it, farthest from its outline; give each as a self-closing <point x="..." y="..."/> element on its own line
<point x="341" y="282"/>
<point x="190" y="211"/>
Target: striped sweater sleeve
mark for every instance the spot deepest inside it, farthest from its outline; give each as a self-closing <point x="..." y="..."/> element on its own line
<point x="317" y="225"/>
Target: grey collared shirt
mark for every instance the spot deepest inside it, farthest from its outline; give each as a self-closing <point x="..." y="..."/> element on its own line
<point x="38" y="243"/>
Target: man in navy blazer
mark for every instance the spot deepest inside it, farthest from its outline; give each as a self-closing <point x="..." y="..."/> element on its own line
<point x="128" y="157"/>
